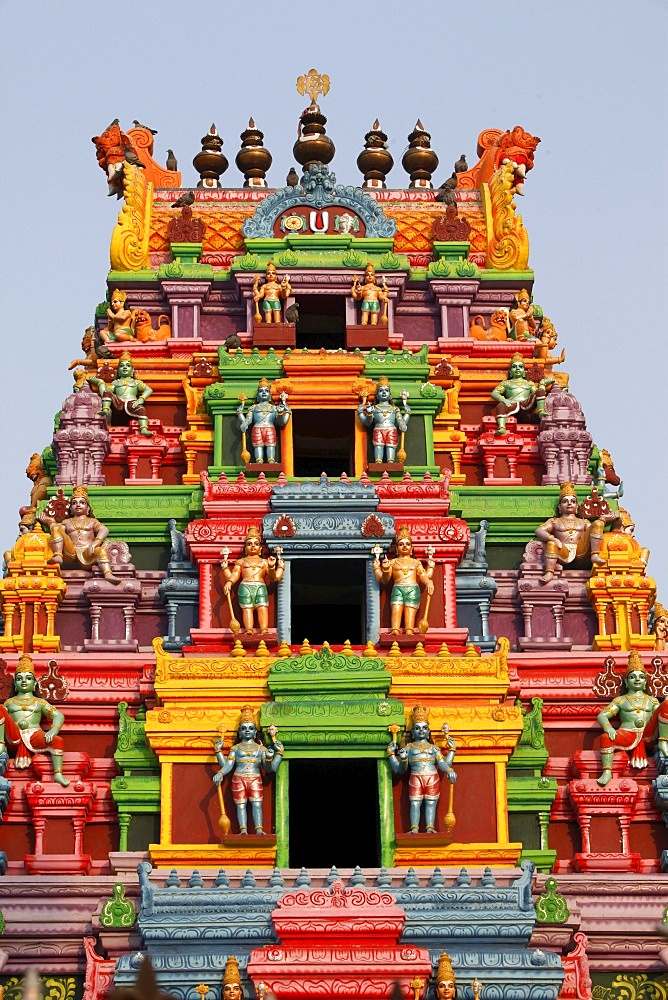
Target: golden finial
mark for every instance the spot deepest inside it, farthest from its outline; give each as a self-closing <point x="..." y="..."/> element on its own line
<point x="202" y="989"/>
<point x="313" y="84"/>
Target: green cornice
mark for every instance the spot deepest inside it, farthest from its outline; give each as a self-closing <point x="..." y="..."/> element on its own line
<point x="141" y="513"/>
<point x="398" y="365"/>
<point x="507" y="277"/>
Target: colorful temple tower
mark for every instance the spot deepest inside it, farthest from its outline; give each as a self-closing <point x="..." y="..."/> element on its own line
<point x="329" y="659"/>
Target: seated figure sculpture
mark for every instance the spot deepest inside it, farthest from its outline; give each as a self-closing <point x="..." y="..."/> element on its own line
<point x="263" y="417"/>
<point x="522" y="320"/>
<point x="125" y="393"/>
<point x="270" y="294"/>
<point x="120" y="321"/>
<point x="425" y="760"/>
<point x="253" y="573"/>
<point x="27" y="710"/>
<point x="660" y="627"/>
<point x="79" y="538"/>
<point x="568" y="538"/>
<point x="406" y="574"/>
<point x="386" y="419"/>
<point x="517" y="392"/>
<point x="371" y="296"/>
<point x="636" y="710"/>
<point x="247" y="757"/>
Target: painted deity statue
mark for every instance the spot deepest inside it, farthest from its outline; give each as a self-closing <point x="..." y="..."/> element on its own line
<point x="660" y="627"/>
<point x="120" y="321"/>
<point x="270" y="294"/>
<point x="27" y="710"/>
<point x="522" y="320"/>
<point x="445" y="985"/>
<point x="232" y="980"/>
<point x="253" y="573"/>
<point x="568" y="538"/>
<point x="125" y="393"/>
<point x="518" y="392"/>
<point x="40" y="479"/>
<point x="386" y="419"/>
<point x="79" y="538"/>
<point x="620" y="540"/>
<point x="609" y="485"/>
<point x="424" y="760"/>
<point x="371" y="296"/>
<point x="406" y="574"/>
<point x="263" y="417"/>
<point x="636" y="710"/>
<point x="248" y="756"/>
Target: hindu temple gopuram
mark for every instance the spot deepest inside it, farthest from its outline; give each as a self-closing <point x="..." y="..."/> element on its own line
<point x="330" y="663"/>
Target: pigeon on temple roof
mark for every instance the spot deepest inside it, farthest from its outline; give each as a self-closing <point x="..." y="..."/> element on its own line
<point x="187" y="198"/>
<point x="292" y="313"/>
<point x="171" y="163"/>
<point x="147" y="127"/>
<point x="232" y="342"/>
<point x="111" y="124"/>
<point x="131" y="157"/>
<point x="461" y="165"/>
<point x="446" y="192"/>
<point x="292" y="180"/>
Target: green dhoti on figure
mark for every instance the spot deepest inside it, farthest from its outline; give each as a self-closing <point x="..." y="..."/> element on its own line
<point x="252" y="595"/>
<point x="408" y="595"/>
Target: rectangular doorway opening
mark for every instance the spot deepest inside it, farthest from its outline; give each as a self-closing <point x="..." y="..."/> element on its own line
<point x="322" y="322"/>
<point x="323" y="441"/>
<point x="324" y="831"/>
<point x="327" y="600"/>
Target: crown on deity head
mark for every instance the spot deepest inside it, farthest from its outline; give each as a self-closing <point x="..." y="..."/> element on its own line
<point x="231" y="975"/>
<point x="659" y="611"/>
<point x="125" y="356"/>
<point x="270" y="266"/>
<point x="522" y="294"/>
<point x="517" y="357"/>
<point x="369" y="267"/>
<point x="25" y="665"/>
<point x="254" y="532"/>
<point x="383" y="380"/>
<point x="263" y="384"/>
<point x="403" y="532"/>
<point x="567" y="490"/>
<point x="118" y="294"/>
<point x="80" y="491"/>
<point x="445" y="972"/>
<point x="419" y="714"/>
<point x="625" y="518"/>
<point x="635" y="663"/>
<point x="247" y="715"/>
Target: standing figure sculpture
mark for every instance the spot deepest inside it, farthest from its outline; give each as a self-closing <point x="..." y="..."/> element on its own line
<point x="406" y="574"/>
<point x="425" y="760"/>
<point x="27" y="710"/>
<point x="40" y="479"/>
<point x="635" y="709"/>
<point x="371" y="296"/>
<point x="263" y="418"/>
<point x="568" y="538"/>
<point x="386" y="419"/>
<point x="80" y="537"/>
<point x="255" y="574"/>
<point x="517" y="392"/>
<point x="125" y="393"/>
<point x="660" y="627"/>
<point x="270" y="293"/>
<point x="247" y="757"/>
<point x="120" y="321"/>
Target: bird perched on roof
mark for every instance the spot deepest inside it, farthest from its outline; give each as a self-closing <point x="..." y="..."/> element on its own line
<point x="292" y="313"/>
<point x="131" y="157"/>
<point x="111" y="124"/>
<point x="461" y="165"/>
<point x="187" y="198"/>
<point x="139" y="125"/>
<point x="292" y="180"/>
<point x="233" y="342"/>
<point x="171" y="163"/>
<point x="446" y="192"/>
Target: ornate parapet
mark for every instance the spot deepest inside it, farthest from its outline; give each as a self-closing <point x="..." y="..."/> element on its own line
<point x="30" y="593"/>
<point x="564" y="441"/>
<point x="352" y="946"/>
<point x="621" y="595"/>
<point x="507" y="239"/>
<point x="82" y="440"/>
<point x="475" y="590"/>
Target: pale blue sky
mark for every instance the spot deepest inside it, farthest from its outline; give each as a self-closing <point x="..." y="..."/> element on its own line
<point x="589" y="78"/>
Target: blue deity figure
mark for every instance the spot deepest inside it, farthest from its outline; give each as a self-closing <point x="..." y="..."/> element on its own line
<point x="263" y="418"/>
<point x="425" y="760"/>
<point x="247" y="757"/>
<point x="386" y="419"/>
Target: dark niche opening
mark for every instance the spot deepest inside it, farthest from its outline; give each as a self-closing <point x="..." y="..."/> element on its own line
<point x="323" y="829"/>
<point x="322" y="322"/>
<point x="327" y="601"/>
<point x="323" y="441"/>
